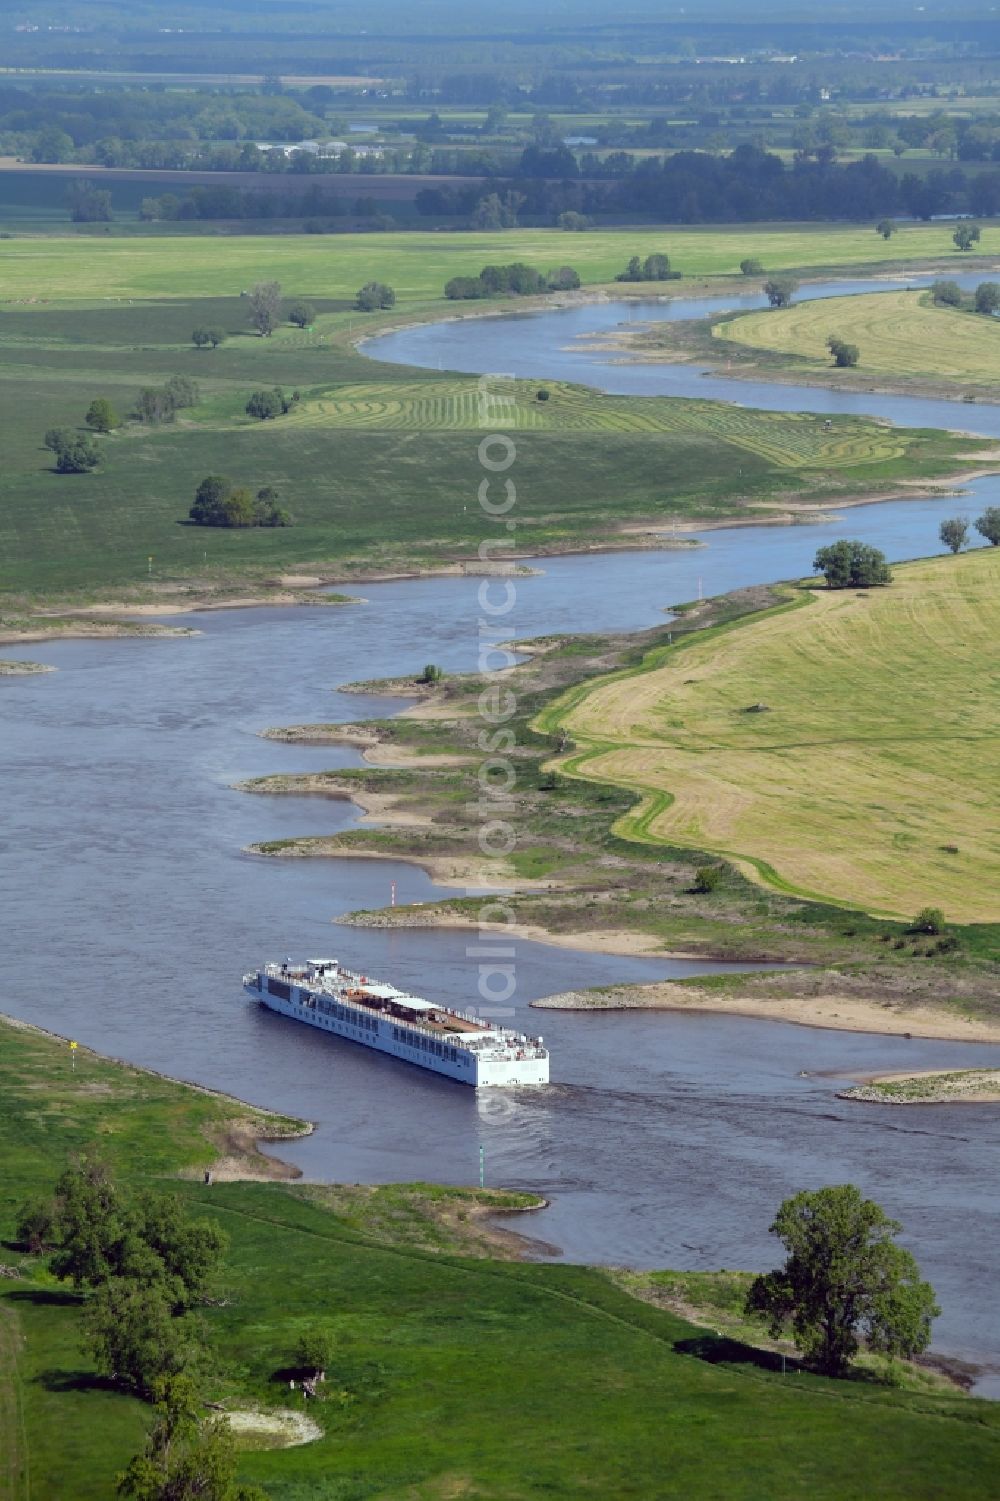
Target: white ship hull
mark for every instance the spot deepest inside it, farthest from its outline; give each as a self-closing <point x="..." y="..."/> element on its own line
<point x="488" y="1060"/>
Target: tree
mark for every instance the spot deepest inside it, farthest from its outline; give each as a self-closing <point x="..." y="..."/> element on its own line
<point x="268" y="510"/>
<point x="87" y="204"/>
<point x="184" y="1460"/>
<point x="155" y="404"/>
<point x="201" y="338"/>
<point x="988" y="297"/>
<point x="632" y="272"/>
<point x="566" y="279"/>
<point x="751" y="266"/>
<point x="216" y="336"/>
<point x="373" y="296"/>
<point x="207" y="508"/>
<point x="706" y="879"/>
<point x="76" y="453"/>
<point x="967" y="235"/>
<point x="182" y="391"/>
<point x="780" y="291"/>
<point x="852" y="565"/>
<point x="315" y="1349"/>
<point x="886" y="228"/>
<point x="266" y="405"/>
<point x="656" y="268"/>
<point x="571" y="220"/>
<point x="946" y="293"/>
<point x="218" y="503"/>
<point x="431" y="674"/>
<point x="844" y="355"/>
<point x="133" y="1335"/>
<point x="845" y="1280"/>
<point x="265" y="302"/>
<point x="101" y="415"/>
<point x="954" y="533"/>
<point x="988" y="525"/>
<point x="36" y="1225"/>
<point x="302" y="314"/>
<point x="928" y="920"/>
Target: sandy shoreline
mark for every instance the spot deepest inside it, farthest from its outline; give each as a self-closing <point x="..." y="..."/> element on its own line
<point x="928" y="1086"/>
<point x="834" y="1012"/>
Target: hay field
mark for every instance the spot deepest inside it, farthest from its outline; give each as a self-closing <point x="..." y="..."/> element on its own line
<point x="898" y="333"/>
<point x="792" y="440"/>
<point x="871" y="779"/>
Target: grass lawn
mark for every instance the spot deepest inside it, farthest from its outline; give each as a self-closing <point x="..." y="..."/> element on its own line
<point x="870" y="780"/>
<point x="898" y="333"/>
<point x="456" y="1375"/>
<point x="378" y="464"/>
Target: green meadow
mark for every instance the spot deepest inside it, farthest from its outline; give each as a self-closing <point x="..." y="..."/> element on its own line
<point x="417" y="264"/>
<point x="456" y="1374"/>
<point x="377" y="463"/>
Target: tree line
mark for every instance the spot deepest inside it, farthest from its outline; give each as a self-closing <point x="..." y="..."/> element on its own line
<point x="514" y="280"/>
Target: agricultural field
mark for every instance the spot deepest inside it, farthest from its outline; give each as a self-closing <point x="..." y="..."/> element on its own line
<point x="586" y="1388"/>
<point x="898" y="334"/>
<point x="796" y="440"/>
<point x="842" y="746"/>
<point x="375" y="462"/>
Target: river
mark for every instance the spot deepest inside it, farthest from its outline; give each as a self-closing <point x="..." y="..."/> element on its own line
<point x="665" y="1139"/>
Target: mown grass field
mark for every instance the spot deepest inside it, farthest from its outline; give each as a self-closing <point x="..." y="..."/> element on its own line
<point x="456" y="1375"/>
<point x="417" y="264"/>
<point x="378" y="464"/>
<point x="898" y="334"/>
<point x="870" y="779"/>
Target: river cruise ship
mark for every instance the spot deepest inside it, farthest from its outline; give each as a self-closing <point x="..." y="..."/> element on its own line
<point x="322" y="993"/>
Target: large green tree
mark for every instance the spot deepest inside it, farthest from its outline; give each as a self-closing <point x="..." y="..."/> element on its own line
<point x="988" y="525"/>
<point x="852" y="565"/>
<point x="101" y="415"/>
<point x="845" y="1281"/>
<point x="134" y="1336"/>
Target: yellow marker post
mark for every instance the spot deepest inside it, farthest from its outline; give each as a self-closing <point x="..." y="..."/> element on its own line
<point x="72" y="1053"/>
<point x="149" y="565"/>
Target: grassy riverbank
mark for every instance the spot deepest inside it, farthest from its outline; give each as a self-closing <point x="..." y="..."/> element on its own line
<point x="866" y="777"/>
<point x="900" y="335"/>
<point x="378" y="464"/>
<point x="456" y="1373"/>
<point x="579" y="877"/>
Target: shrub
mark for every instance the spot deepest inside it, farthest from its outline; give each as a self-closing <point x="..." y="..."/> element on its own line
<point x="780" y="291"/>
<point x="844" y="355"/>
<point x="373" y="296"/>
<point x="76" y="453"/>
<point x="706" y="878"/>
<point x="266" y="405"/>
<point x="928" y="920"/>
<point x="987" y="299"/>
<point x="946" y="293"/>
<point x="542" y="394"/>
<point x="302" y="314"/>
<point x="751" y="266"/>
